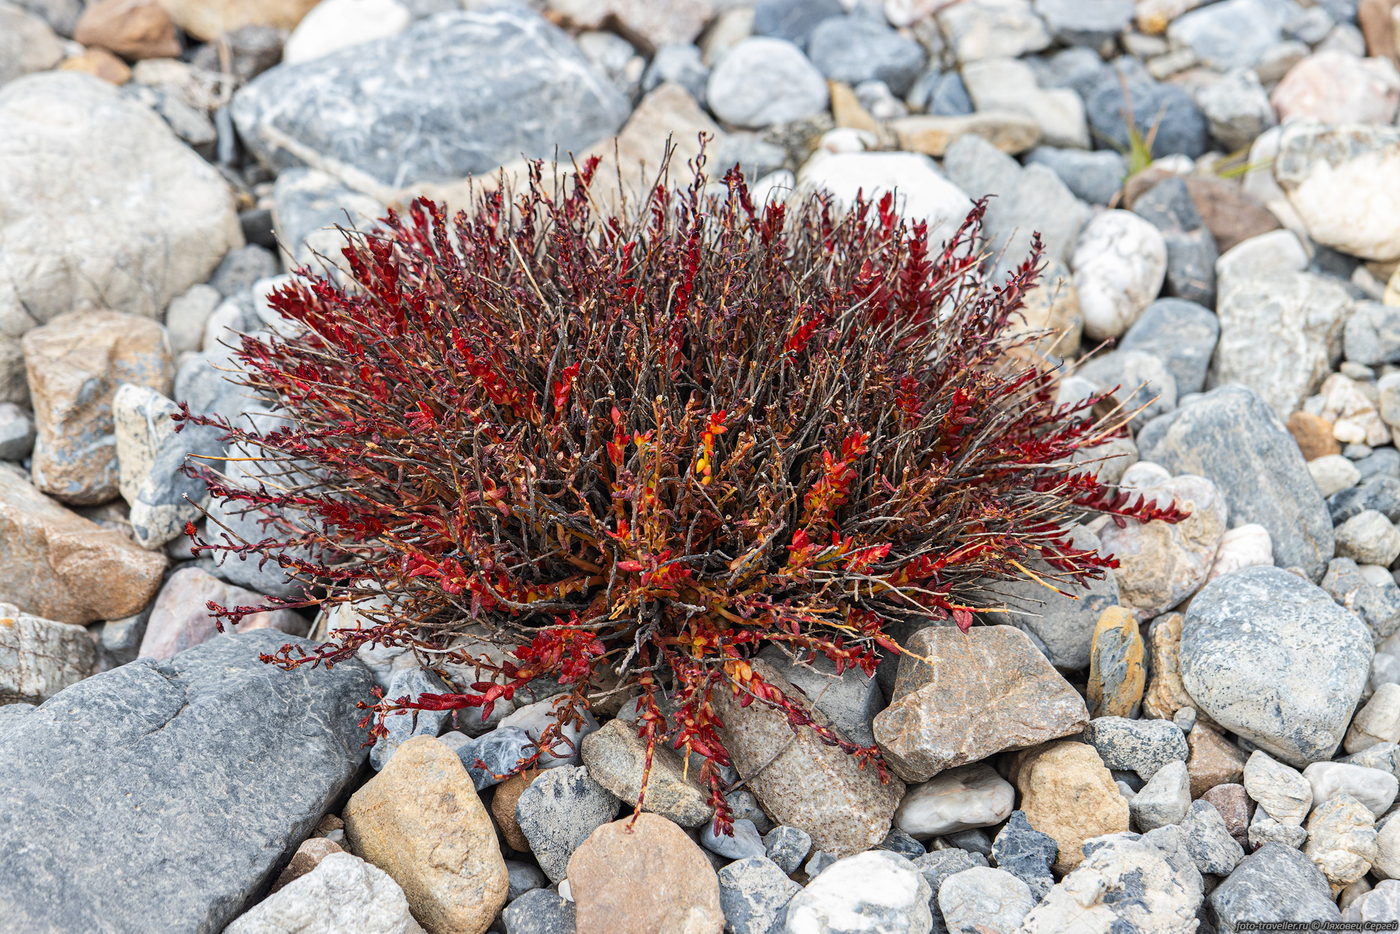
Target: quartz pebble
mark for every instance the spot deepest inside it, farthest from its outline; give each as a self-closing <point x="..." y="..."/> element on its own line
<point x="958" y="799"/>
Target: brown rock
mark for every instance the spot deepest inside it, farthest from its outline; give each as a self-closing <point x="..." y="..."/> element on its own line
<point x="1068" y="793"/>
<point x="961" y="697"/>
<point x="58" y="565"/>
<point x="847" y="111"/>
<point x="307" y="857"/>
<point x="209" y="19"/>
<point x="616" y="757"/>
<point x="1313" y="435"/>
<point x="420" y="820"/>
<point x="1376" y="19"/>
<point x="503" y="808"/>
<point x="133" y="28"/>
<point x="75" y="364"/>
<point x="1116" y="673"/>
<point x="1009" y="132"/>
<point x="643" y="878"/>
<point x="181" y="617"/>
<point x="100" y="64"/>
<point x="801" y="781"/>
<point x="1212" y="760"/>
<point x="1166" y="694"/>
<point x="1233" y="803"/>
<point x="1231" y="215"/>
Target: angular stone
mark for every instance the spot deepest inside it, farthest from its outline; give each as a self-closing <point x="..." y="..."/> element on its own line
<point x="1233" y="804"/>
<point x="132" y="28"/>
<point x="1342" y="839"/>
<point x="985" y="691"/>
<point x="801" y="781"/>
<point x="1165" y="693"/>
<point x="1265" y="829"/>
<point x="1164" y="800"/>
<point x="1026" y="853"/>
<point x="1116" y="673"/>
<point x="1368" y="538"/>
<point x="753" y="893"/>
<point x="308" y="856"/>
<point x="161" y="758"/>
<point x="1275" y="883"/>
<point x="342" y="893"/>
<point x="983" y="898"/>
<point x="1213" y="760"/>
<point x="409" y="682"/>
<point x="1208" y="840"/>
<point x="1181" y="333"/>
<point x="420" y="821"/>
<point x="1378" y="721"/>
<point x="1143" y="746"/>
<point x="981" y="28"/>
<point x="616" y="756"/>
<point x="869" y="892"/>
<point x="612" y="880"/>
<point x="1137" y="379"/>
<point x="540" y="911"/>
<point x="557" y="811"/>
<point x="1283" y="793"/>
<point x="180" y="617"/>
<point x="851" y="699"/>
<point x="958" y="799"/>
<point x="1338" y="179"/>
<point x="1313" y="435"/>
<point x="39" y="657"/>
<point x="1068" y="793"/>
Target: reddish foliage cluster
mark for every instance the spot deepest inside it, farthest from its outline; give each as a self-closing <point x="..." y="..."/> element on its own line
<point x="637" y="451"/>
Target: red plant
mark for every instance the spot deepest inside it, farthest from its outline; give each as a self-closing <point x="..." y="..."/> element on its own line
<point x="639" y="450"/>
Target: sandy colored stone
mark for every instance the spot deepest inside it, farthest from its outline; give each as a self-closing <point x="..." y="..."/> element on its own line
<point x="979" y="693"/>
<point x="1068" y="793"/>
<point x="307" y="857"/>
<point x="58" y="565"/>
<point x="932" y="135"/>
<point x="420" y="820"/>
<point x="641" y="878"/>
<point x="209" y="19"/>
<point x="1342" y="839"/>
<point x="616" y="757"/>
<point x="503" y="808"/>
<point x="1313" y="434"/>
<point x="799" y="780"/>
<point x="1376" y="19"/>
<point x="1230" y="214"/>
<point x="1116" y="673"/>
<point x="99" y="63"/>
<point x="847" y="111"/>
<point x="75" y="364"/>
<point x="1053" y="306"/>
<point x="1165" y="692"/>
<point x="132" y="28"/>
<point x="1213" y="760"/>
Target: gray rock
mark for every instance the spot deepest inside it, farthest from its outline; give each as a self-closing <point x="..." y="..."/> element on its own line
<point x="1180" y="125"/>
<point x="617" y="759"/>
<point x="1231" y="34"/>
<point x="1164" y="800"/>
<point x="539" y="911"/>
<point x="523" y="878"/>
<point x="1270" y="657"/>
<point x="938" y="865"/>
<point x="1274" y="883"/>
<point x="744" y="842"/>
<point x="678" y="64"/>
<point x="427" y="104"/>
<point x="792" y="20"/>
<point x="1138" y="379"/>
<point x="242" y="267"/>
<point x="1378" y="605"/>
<point x="1191" y="252"/>
<point x="855" y="48"/>
<point x="558" y="811"/>
<point x="897" y="841"/>
<point x="787" y="846"/>
<point x="851" y="700"/>
<point x="1380" y="492"/>
<point x="763" y="81"/>
<point x="535" y="719"/>
<point x="1237" y="108"/>
<point x="1143" y="746"/>
<point x="1384" y="756"/>
<point x="983" y="898"/>
<point x="1182" y="334"/>
<point x="1380" y="462"/>
<point x="1208" y="841"/>
<point x="1368" y="538"/>
<point x="188" y="316"/>
<point x="1265" y="829"/>
<point x="1085" y="22"/>
<point x="980" y="29"/>
<point x="753" y="894"/>
<point x="120" y="639"/>
<point x="1094" y="177"/>
<point x="40" y="657"/>
<point x="1026" y="853"/>
<point x="940" y="94"/>
<point x="817" y="862"/>
<point x="499" y="751"/>
<point x="409" y="682"/>
<point x="872" y="892"/>
<point x="342" y="893"/>
<point x="16" y="432"/>
<point x="151" y="457"/>
<point x="1265" y="481"/>
<point x="307" y="207"/>
<point x="148" y="763"/>
<point x="1372" y="334"/>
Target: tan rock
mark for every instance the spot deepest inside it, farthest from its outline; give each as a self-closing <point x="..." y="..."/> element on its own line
<point x="1342" y="839"/>
<point x="1375" y="17"/>
<point x="420" y="821"/>
<point x="933" y="135"/>
<point x="132" y="28"/>
<point x="1313" y="435"/>
<point x="209" y="19"/>
<point x="1068" y="793"/>
<point x="801" y="781"/>
<point x="616" y="758"/>
<point x="645" y="23"/>
<point x="307" y="857"/>
<point x="100" y="64"/>
<point x="58" y="565"/>
<point x="503" y="808"/>
<point x="961" y="697"/>
<point x="1212" y="760"/>
<point x="1053" y="306"/>
<point x="40" y="657"/>
<point x="1166" y="694"/>
<point x="642" y="878"/>
<point x="75" y="364"/>
<point x="847" y="111"/>
<point x="1116" y="673"/>
<point x="1392" y="289"/>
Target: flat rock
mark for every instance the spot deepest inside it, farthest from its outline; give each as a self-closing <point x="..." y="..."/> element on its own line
<point x="932" y="134"/>
<point x="39" y="657"/>
<point x="983" y="898"/>
<point x="616" y="757"/>
<point x="342" y="893"/>
<point x="148" y="763"/>
<point x="959" y="799"/>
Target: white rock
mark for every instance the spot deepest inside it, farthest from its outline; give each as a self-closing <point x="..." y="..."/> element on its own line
<point x="959" y="799"/>
<point x="1387" y="861"/>
<point x="1378" y="721"/>
<point x="982" y="900"/>
<point x="1281" y="791"/>
<point x="343" y="893"/>
<point x="40" y="657"/>
<point x="1165" y="798"/>
<point x="535" y="718"/>
<point x="1259" y="182"/>
<point x="1342" y="839"/>
<point x="1119" y="264"/>
<point x="1333" y="87"/>
<point x="921" y="192"/>
<point x="1008" y="85"/>
<point x="187" y="316"/>
<point x="27" y="44"/>
<point x="338" y="24"/>
<point x="1333" y="473"/>
<point x="1368" y="538"/>
<point x="761" y="81"/>
<point x="1380" y="904"/>
<point x="1374" y="788"/>
<point x="1268" y="254"/>
<point x="1351" y="408"/>
<point x="1344" y="182"/>
<point x="1264" y="829"/>
<point x="980" y="29"/>
<point x="870" y="893"/>
<point x="1244" y="546"/>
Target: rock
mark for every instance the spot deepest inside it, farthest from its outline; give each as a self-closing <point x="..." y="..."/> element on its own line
<point x="1372" y="336"/>
<point x="488" y="758"/>
<point x="1191" y="250"/>
<point x="982" y="28"/>
<point x="1229" y="212"/>
<point x="851" y="700"/>
<point x="855" y="48"/>
<point x="801" y="781"/>
<point x="524" y="877"/>
<point x="1116" y="673"/>
<point x="540" y="911"/>
<point x="342" y="893"/>
<point x="615" y="757"/>
<point x="309" y="855"/>
<point x="863" y="894"/>
<point x="792" y="20"/>
<point x="743" y="841"/>
<point x="209" y="20"/>
<point x="308" y="207"/>
<point x="503" y="804"/>
<point x="420" y="820"/>
<point x="609" y="872"/>
<point x="1386" y="864"/>
<point x="648" y="24"/>
<point x="39" y="657"/>
<point x="1209" y="841"/>
<point x="1368" y="538"/>
<point x="1119" y="264"/>
<point x="762" y="81"/>
<point x="1180" y="333"/>
<point x="150" y="456"/>
<point x="64" y="187"/>
<point x="338" y="24"/>
<point x="481" y="64"/>
<point x="983" y="899"/>
<point x="989" y="690"/>
<point x="1026" y="853"/>
<point x="1265" y="829"/>
<point x="1379" y="493"/>
<point x="1378" y="720"/>
<point x="187" y="317"/>
<point x="1232" y="34"/>
<point x="1330" y="175"/>
<point x="679" y="64"/>
<point x="1334" y="87"/>
<point x="27" y="44"/>
<point x="64" y="567"/>
<point x="1332" y="474"/>
<point x="1068" y="793"/>
<point x="1265" y="482"/>
<point x="1125" y="884"/>
<point x="131" y="28"/>
<point x="1008" y="85"/>
<point x="1351" y="408"/>
<point x="958" y="799"/>
<point x="932" y="135"/>
<point x="1342" y="839"/>
<point x="1379" y="905"/>
<point x="16" y="432"/>
<point x="1234" y="805"/>
<point x="1313" y="435"/>
<point x="1165" y="692"/>
<point x="1164" y="800"/>
<point x="409" y="682"/>
<point x="1375" y="788"/>
<point x="557" y="811"/>
<point x="1275" y="883"/>
<point x="753" y="893"/>
<point x="1237" y="108"/>
<point x="1144" y="746"/>
<point x="143" y="750"/>
<point x="75" y="364"/>
<point x="1090" y="24"/>
<point x="922" y="194"/>
<point x="1213" y="760"/>
<point x="1094" y="177"/>
<point x="181" y="619"/>
<point x="1283" y="793"/>
<point x="1180" y="127"/>
<point x="537" y="718"/>
<point x="787" y="847"/>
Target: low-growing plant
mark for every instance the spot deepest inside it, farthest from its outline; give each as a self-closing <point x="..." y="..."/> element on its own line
<point x="636" y="450"/>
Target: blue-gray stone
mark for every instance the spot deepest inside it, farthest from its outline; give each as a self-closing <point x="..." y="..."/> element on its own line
<point x="792" y="20"/>
<point x="1274" y="883"/>
<point x="1233" y="438"/>
<point x="1233" y="33"/>
<point x="897" y="841"/>
<point x="1191" y="251"/>
<point x="558" y="811"/>
<point x="1382" y="462"/>
<point x="1095" y="177"/>
<point x="753" y="893"/>
<point x="1208" y="841"/>
<point x="1139" y="379"/>
<point x="1378" y="605"/>
<point x="1380" y="492"/>
<point x="1182" y="334"/>
<point x="16" y="432"/>
<point x="1143" y="746"/>
<point x="243" y="266"/>
<point x="852" y="49"/>
<point x="850" y="700"/>
<point x="787" y="846"/>
<point x="523" y="877"/>
<point x="1372" y="334"/>
<point x="1180" y="126"/>
<point x="1026" y="853"/>
<point x="974" y="840"/>
<point x="540" y="911"/>
<point x="819" y="860"/>
<point x="409" y="683"/>
<point x="744" y="842"/>
<point x="500" y="751"/>
<point x="454" y="94"/>
<point x="679" y="64"/>
<point x="171" y="792"/>
<point x="940" y="93"/>
<point x="1085" y="22"/>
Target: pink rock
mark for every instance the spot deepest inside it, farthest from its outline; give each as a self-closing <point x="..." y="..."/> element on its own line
<point x="1334" y="87"/>
<point x="181" y="618"/>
